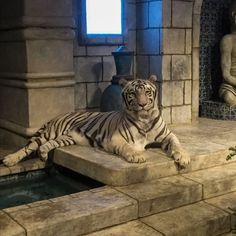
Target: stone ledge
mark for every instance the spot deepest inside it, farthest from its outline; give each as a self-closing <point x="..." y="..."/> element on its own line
<point x="112" y="170"/>
<point x="87" y="212"/>
<point x="216" y="181"/>
<point x="197" y="219"/>
<point x="133" y="228"/>
<point x="164" y="194"/>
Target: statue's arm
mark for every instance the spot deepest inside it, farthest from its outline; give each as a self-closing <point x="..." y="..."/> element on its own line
<point x="226" y="50"/>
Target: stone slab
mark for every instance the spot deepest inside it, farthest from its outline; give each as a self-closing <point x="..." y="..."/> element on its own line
<point x="164" y="194"/>
<point x="216" y="180"/>
<point x="111" y="169"/>
<point x="227" y="203"/>
<point x="197" y="219"/>
<point x="82" y="214"/>
<point x="133" y="228"/>
<point x="9" y="227"/>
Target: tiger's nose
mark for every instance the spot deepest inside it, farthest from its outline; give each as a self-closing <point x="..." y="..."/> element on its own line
<point x="142" y="104"/>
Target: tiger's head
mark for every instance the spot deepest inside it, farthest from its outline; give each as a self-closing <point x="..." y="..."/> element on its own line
<point x="139" y="96"/>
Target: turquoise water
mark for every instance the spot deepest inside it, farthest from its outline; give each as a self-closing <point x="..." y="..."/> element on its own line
<point x="40" y="185"/>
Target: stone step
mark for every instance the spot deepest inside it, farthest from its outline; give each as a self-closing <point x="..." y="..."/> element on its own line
<point x="199" y="219"/>
<point x="216" y="180"/>
<point x="205" y="153"/>
<point x="76" y="214"/>
<point x="133" y="228"/>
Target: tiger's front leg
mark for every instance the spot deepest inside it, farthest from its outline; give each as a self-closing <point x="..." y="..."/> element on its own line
<point x="174" y="149"/>
<point x="126" y="151"/>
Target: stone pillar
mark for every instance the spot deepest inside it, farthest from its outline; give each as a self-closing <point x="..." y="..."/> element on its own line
<point x="36" y="65"/>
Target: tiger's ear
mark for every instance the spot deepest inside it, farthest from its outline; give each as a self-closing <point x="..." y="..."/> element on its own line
<point x="123" y="82"/>
<point x="152" y="78"/>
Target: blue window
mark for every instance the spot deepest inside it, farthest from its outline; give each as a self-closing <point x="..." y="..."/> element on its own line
<point x="102" y="22"/>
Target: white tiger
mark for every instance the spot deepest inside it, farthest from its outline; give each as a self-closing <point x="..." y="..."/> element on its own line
<point x="125" y="133"/>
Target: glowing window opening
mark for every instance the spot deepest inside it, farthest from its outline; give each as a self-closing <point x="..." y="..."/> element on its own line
<point x="103" y="17"/>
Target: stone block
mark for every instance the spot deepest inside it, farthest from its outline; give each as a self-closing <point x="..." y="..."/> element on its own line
<point x="142" y="15"/>
<point x="172" y="93"/>
<point x="145" y="45"/>
<point x="109" y="68"/>
<point x="131" y="44"/>
<point x="80" y="96"/>
<point x="60" y="8"/>
<point x="117" y="172"/>
<point x="197" y="7"/>
<point x="197" y="219"/>
<point x="88" y="69"/>
<point x="79" y="50"/>
<point x="131" y="12"/>
<point x="133" y="228"/>
<point x="196" y="30"/>
<point x="181" y="114"/>
<point x="9" y="227"/>
<point x="195" y="96"/>
<point x="188" y="92"/>
<point x="166" y="15"/>
<point x="155" y="66"/>
<point x="15" y="59"/>
<point x="216" y="181"/>
<point x="173" y="41"/>
<point x="100" y="50"/>
<point x="166" y="67"/>
<point x="155" y="14"/>
<point x="164" y="194"/>
<point x="78" y="216"/>
<point x="182" y="14"/>
<point x="188" y="46"/>
<point x="196" y="66"/>
<point x="49" y="59"/>
<point x="44" y="105"/>
<point x="166" y="114"/>
<point x="142" y="67"/>
<point x="94" y="93"/>
<point x="14" y="105"/>
<point x="181" y="67"/>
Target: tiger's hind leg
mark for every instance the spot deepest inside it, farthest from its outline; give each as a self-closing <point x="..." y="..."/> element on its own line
<point x="61" y="141"/>
<point x="14" y="158"/>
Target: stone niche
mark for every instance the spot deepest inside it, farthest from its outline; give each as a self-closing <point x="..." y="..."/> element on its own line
<point x="214" y="24"/>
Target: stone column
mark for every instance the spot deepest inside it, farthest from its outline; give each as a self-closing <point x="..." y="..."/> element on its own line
<point x="36" y="65"/>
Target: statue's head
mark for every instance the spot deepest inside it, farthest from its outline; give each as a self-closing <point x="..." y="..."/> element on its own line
<point x="232" y="14"/>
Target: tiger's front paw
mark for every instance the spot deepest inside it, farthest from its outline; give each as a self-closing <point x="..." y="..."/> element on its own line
<point x="43" y="153"/>
<point x="181" y="158"/>
<point x="10" y="160"/>
<point x="135" y="158"/>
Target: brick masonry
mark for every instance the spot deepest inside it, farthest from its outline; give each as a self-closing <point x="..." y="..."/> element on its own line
<point x="165" y="37"/>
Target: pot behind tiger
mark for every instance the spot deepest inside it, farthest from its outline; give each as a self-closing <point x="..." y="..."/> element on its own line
<point x="111" y="97"/>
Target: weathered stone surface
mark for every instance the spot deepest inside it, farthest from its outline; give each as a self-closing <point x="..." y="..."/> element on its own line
<point x="155" y="14"/>
<point x="77" y="216"/>
<point x="166" y="67"/>
<point x="166" y="15"/>
<point x="131" y="22"/>
<point x="100" y="51"/>
<point x="142" y="66"/>
<point x="197" y="219"/>
<point x="181" y="114"/>
<point x="181" y="67"/>
<point x="145" y="45"/>
<point x="109" y="68"/>
<point x="173" y="41"/>
<point x="182" y="14"/>
<point x="112" y="170"/>
<point x="196" y="30"/>
<point x="80" y="96"/>
<point x="9" y="227"/>
<point x="188" y="46"/>
<point x="216" y="181"/>
<point x="88" y="69"/>
<point x="142" y="15"/>
<point x="155" y="66"/>
<point x="133" y="228"/>
<point x="166" y="115"/>
<point x="164" y="194"/>
<point x="188" y="92"/>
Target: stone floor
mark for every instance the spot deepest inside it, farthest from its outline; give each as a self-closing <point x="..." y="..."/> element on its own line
<point x="163" y="201"/>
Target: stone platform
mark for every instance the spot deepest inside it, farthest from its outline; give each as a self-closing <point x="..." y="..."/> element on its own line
<point x="207" y="143"/>
<point x="196" y="201"/>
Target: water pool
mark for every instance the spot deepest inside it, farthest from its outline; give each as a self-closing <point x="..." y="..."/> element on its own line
<point x="34" y="186"/>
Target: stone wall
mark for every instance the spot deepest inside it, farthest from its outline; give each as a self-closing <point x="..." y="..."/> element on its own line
<point x="94" y="65"/>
